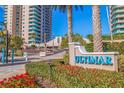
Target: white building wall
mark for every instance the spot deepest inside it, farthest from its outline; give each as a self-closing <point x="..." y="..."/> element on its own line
<point x="55" y="42"/>
<point x="9" y="18"/>
<point x="25" y="23"/>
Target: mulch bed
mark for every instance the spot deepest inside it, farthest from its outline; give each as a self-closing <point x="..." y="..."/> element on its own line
<point x="45" y="83"/>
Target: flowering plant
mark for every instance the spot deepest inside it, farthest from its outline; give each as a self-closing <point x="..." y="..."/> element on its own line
<point x="19" y="81"/>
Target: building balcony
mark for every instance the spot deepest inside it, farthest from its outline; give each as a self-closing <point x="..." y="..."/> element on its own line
<point x="34" y="21"/>
<point x="33" y="17"/>
<point x="117" y="16"/>
<point x="34" y="28"/>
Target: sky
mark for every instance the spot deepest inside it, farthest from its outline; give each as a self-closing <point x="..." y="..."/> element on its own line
<point x="82" y="21"/>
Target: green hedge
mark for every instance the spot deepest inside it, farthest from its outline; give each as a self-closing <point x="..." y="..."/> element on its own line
<point x="67" y="76"/>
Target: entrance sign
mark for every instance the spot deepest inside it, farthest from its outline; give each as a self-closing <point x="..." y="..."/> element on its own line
<point x="99" y="60"/>
<point x="104" y="60"/>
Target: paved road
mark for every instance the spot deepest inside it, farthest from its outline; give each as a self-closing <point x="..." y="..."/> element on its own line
<point x="35" y="58"/>
<point x="12" y="70"/>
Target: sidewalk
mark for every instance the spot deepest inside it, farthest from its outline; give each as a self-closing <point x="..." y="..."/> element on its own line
<point x="8" y="71"/>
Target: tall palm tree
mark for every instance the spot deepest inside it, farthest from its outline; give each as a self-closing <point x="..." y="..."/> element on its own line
<point x="97" y="33"/>
<point x="63" y="8"/>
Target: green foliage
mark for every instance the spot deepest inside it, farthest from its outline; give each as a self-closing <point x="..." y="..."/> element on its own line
<point x="108" y="47"/>
<point x="118" y="36"/>
<point x="75" y="38"/>
<point x="78" y="38"/>
<point x="67" y="76"/>
<point x="115" y="46"/>
<point x="89" y="47"/>
<point x="16" y="42"/>
<point x="64" y="43"/>
<point x="107" y="37"/>
<point x="121" y="63"/>
<point x="90" y="37"/>
<point x="66" y="59"/>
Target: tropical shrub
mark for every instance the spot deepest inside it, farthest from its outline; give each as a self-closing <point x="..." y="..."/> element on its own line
<point x="115" y="46"/>
<point x="89" y="47"/>
<point x="19" y="81"/>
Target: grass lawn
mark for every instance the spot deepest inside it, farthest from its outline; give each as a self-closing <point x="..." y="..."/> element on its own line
<point x="67" y="76"/>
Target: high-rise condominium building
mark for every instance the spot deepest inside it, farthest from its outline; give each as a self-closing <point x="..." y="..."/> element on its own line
<point x="117" y="19"/>
<point x="13" y="15"/>
<point x="33" y="22"/>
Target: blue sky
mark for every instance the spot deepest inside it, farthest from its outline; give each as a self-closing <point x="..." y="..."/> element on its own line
<point x="82" y="21"/>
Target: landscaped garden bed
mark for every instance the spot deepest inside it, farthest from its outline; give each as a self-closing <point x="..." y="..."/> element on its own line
<point x="67" y="76"/>
<point x="19" y="81"/>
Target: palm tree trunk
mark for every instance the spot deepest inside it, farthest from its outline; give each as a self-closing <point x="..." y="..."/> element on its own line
<point x="97" y="33"/>
<point x="69" y="23"/>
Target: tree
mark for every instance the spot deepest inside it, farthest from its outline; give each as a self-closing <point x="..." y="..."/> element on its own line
<point x="76" y="38"/>
<point x="63" y="8"/>
<point x="2" y="39"/>
<point x="90" y="37"/>
<point x="16" y="42"/>
<point x="97" y="33"/>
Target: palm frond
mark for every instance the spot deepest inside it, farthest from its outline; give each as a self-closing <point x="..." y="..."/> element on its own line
<point x="63" y="8"/>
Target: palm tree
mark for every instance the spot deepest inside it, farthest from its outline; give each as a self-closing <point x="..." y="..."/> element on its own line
<point x="97" y="33"/>
<point x="63" y="8"/>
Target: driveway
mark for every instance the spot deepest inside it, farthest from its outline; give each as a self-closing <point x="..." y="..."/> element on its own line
<point x="12" y="70"/>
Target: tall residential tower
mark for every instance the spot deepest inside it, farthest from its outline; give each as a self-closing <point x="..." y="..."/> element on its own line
<point x="117" y="19"/>
<point x="33" y="22"/>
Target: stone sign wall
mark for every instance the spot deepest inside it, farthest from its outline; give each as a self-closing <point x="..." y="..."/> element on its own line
<point x="97" y="60"/>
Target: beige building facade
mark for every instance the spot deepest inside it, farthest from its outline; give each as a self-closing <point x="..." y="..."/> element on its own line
<point x="30" y="22"/>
